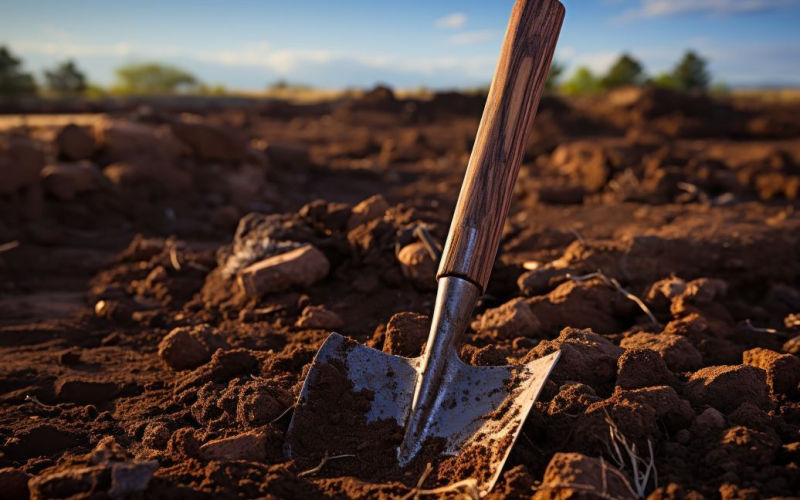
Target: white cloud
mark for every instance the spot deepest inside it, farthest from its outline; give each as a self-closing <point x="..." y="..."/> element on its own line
<point x="72" y="49"/>
<point x="473" y="37"/>
<point x="662" y="8"/>
<point x="452" y="21"/>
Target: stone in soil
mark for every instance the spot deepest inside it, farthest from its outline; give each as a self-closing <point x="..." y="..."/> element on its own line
<point x="300" y="267"/>
<point x="318" y="317"/>
<point x="726" y="387"/>
<point x="188" y="347"/>
<point x="248" y="446"/>
<point x="418" y="265"/>
<point x="406" y="333"/>
<point x="783" y="370"/>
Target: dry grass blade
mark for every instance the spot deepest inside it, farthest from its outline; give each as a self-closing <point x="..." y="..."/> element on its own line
<point x="322" y="463"/>
<point x="641" y="469"/>
<point x="612" y="282"/>
<point x="173" y="257"/>
<point x="753" y="328"/>
<point x="5" y="247"/>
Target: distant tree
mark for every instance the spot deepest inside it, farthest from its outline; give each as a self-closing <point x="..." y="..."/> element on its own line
<point x="554" y="76"/>
<point x="626" y="71"/>
<point x="691" y="73"/>
<point x="152" y="78"/>
<point x="583" y="81"/>
<point x="66" y="79"/>
<point x="13" y="81"/>
<point x="665" y="80"/>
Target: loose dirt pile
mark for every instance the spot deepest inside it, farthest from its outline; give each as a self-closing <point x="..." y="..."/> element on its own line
<point x="167" y="279"/>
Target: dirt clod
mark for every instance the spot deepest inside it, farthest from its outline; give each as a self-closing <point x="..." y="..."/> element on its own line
<point x="725" y="387"/>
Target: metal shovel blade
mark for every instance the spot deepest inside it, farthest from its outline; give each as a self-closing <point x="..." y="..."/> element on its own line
<point x="479" y="409"/>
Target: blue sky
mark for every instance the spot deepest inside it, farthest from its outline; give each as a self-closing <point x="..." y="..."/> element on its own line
<point x="438" y="44"/>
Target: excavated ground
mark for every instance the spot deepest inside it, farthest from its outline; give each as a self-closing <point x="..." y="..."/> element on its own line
<point x="167" y="278"/>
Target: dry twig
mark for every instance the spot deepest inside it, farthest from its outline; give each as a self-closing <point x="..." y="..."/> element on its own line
<point x="612" y="282"/>
<point x="5" y="247"/>
<point x="35" y="400"/>
<point x="173" y="257"/>
<point x="322" y="463"/>
<point x="469" y="485"/>
<point x="642" y="469"/>
<point x="749" y="325"/>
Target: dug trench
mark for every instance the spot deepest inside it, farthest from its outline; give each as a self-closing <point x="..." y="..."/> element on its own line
<point x="167" y="284"/>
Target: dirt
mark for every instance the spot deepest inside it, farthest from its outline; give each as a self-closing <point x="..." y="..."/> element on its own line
<point x="134" y="363"/>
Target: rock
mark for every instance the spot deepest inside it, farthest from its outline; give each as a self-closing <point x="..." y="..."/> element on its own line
<point x="792" y="322"/>
<point x="188" y="347"/>
<point x="13" y="484"/>
<point x="406" y="333"/>
<point x="639" y="368"/>
<point x="65" y="180"/>
<point x="75" y="143"/>
<point x="372" y="208"/>
<point x="128" y="478"/>
<point x="300" y="267"/>
<point x="248" y="446"/>
<point x="783" y="370"/>
<point x="418" y="265"/>
<point x="82" y="391"/>
<point x="128" y="141"/>
<point x="21" y="161"/>
<point x="570" y="475"/>
<point x="319" y="317"/>
<point x="585" y="357"/>
<point x="511" y="320"/>
<point x="676" y="351"/>
<point x="209" y="142"/>
<point x="725" y="387"/>
<point x="708" y="423"/>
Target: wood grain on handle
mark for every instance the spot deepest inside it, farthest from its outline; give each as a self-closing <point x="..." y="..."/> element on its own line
<point x="502" y="137"/>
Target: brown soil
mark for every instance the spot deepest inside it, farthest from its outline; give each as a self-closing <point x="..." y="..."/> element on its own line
<point x="134" y="363"/>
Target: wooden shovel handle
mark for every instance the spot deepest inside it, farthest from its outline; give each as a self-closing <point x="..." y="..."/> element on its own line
<point x="502" y="137"/>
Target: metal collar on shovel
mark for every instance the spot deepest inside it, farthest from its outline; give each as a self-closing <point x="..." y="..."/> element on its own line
<point x="437" y="395"/>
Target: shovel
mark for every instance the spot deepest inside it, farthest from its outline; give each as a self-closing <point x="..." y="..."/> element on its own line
<point x="437" y="400"/>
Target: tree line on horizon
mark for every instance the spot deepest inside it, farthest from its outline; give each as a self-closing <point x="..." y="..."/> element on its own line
<point x="66" y="79"/>
<point x="690" y="73"/>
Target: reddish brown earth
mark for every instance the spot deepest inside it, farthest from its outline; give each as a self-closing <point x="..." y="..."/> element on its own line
<point x="135" y="364"/>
